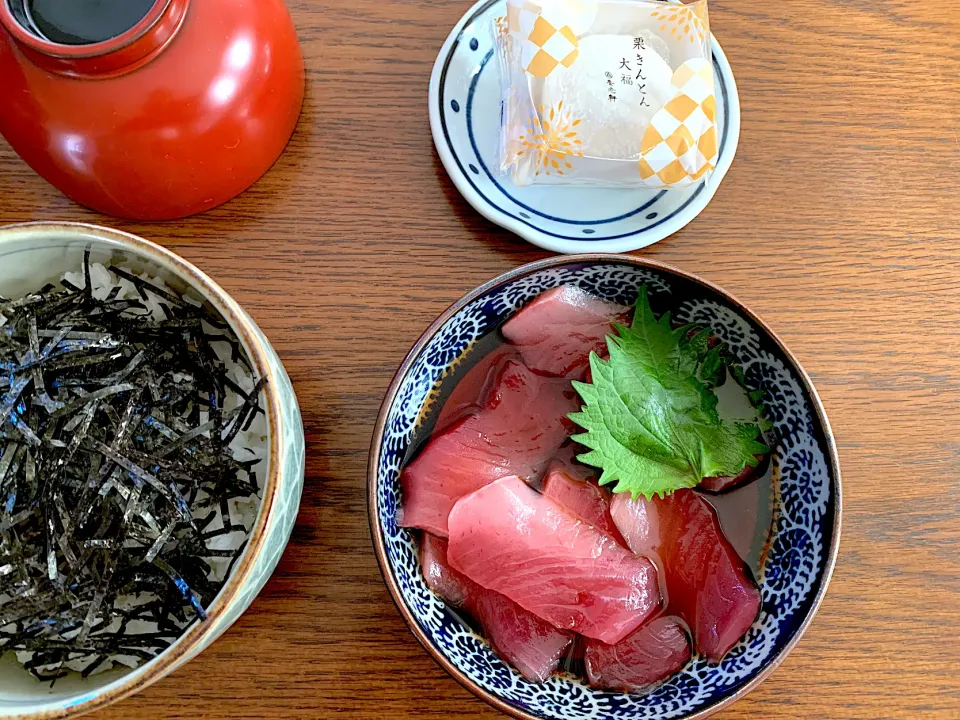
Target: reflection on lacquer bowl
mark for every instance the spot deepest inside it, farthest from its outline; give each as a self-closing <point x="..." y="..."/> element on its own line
<point x="783" y="526"/>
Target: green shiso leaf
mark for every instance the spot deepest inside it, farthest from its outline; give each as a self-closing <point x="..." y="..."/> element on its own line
<point x="650" y="413"/>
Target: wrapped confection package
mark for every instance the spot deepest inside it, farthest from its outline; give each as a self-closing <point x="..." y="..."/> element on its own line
<point x="607" y="92"/>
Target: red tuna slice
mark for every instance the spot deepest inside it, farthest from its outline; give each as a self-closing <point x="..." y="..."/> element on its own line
<point x="566" y="459"/>
<point x="521" y="423"/>
<point x="533" y="646"/>
<point x="558" y="330"/>
<point x="655" y="651"/>
<point x="708" y="584"/>
<point x="511" y="539"/>
<point x="723" y="483"/>
<point x="584" y="499"/>
<point x="468" y="394"/>
<point x="452" y="587"/>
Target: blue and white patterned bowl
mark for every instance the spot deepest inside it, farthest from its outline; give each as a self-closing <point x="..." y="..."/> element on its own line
<point x="465" y="120"/>
<point x="806" y="517"/>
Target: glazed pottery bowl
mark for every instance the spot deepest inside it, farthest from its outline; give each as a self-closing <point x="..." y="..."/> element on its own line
<point x="32" y="255"/>
<point x="798" y="554"/>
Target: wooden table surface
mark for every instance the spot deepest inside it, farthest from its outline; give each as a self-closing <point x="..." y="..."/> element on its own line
<point x="839" y="223"/>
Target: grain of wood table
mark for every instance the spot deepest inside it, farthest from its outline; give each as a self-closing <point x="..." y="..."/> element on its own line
<point x="839" y="223"/>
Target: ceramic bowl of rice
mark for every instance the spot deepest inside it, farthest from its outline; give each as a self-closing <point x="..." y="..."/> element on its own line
<point x="151" y="465"/>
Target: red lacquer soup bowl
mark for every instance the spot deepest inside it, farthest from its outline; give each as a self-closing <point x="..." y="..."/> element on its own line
<point x="176" y="114"/>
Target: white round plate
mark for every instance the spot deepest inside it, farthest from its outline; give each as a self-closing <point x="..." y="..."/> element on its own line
<point x="465" y="112"/>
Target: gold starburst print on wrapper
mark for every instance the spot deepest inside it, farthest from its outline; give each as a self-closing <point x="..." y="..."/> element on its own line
<point x="501" y="29"/>
<point x="504" y="40"/>
<point x="551" y="142"/>
<point x="690" y="21"/>
<point x="680" y="144"/>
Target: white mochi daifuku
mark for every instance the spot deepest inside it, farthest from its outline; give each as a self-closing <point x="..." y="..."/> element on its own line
<point x="610" y="128"/>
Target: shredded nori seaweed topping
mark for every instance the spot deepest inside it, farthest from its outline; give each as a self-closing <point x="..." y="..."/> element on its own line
<point x="116" y="471"/>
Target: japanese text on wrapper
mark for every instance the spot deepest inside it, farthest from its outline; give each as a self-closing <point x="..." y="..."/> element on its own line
<point x="641" y="80"/>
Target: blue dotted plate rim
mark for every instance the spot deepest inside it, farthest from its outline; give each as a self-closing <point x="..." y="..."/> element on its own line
<point x="522" y="223"/>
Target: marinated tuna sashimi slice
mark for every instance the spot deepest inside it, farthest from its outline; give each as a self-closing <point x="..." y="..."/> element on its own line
<point x="521" y="423"/>
<point x="452" y="587"/>
<point x="510" y="538"/>
<point x="558" y="330"/>
<point x="707" y="583"/>
<point x="468" y="393"/>
<point x="727" y="482"/>
<point x="533" y="646"/>
<point x="582" y="498"/>
<point x="655" y="651"/>
<point x="566" y="459"/>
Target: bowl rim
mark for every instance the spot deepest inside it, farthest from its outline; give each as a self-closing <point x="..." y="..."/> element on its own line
<point x="183" y="648"/>
<point x="376" y="446"/>
<point x="87" y="50"/>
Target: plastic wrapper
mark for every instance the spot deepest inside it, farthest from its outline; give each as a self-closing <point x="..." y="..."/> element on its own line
<point x="607" y="92"/>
